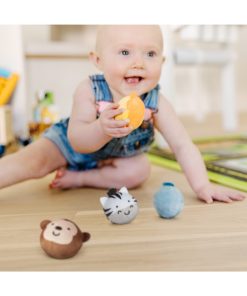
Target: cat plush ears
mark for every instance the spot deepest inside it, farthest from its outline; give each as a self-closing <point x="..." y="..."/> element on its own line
<point x="103" y="201"/>
<point x="110" y="192"/>
<point x="124" y="190"/>
<point x="113" y="193"/>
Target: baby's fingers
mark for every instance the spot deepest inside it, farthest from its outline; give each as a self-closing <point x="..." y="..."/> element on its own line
<point x="206" y="198"/>
<point x="114" y="112"/>
<point x="238" y="196"/>
<point x="210" y="193"/>
<point x="222" y="197"/>
<point x="109" y="109"/>
<point x="118" y="123"/>
<point x="111" y="106"/>
<point x="120" y="132"/>
<point x="209" y="198"/>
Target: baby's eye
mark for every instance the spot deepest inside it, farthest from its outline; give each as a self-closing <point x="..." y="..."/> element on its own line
<point x="151" y="53"/>
<point x="124" y="52"/>
<point x="68" y="228"/>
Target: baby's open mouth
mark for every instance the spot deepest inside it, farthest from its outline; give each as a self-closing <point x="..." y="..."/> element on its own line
<point x="133" y="79"/>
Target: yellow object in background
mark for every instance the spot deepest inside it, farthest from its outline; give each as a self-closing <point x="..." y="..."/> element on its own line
<point x="7" y="86"/>
<point x="134" y="110"/>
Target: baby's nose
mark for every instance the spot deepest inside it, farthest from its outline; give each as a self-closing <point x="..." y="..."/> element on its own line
<point x="138" y="61"/>
<point x="58" y="228"/>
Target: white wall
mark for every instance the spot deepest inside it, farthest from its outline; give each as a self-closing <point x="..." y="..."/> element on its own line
<point x="12" y="58"/>
<point x="61" y="76"/>
<point x="36" y="33"/>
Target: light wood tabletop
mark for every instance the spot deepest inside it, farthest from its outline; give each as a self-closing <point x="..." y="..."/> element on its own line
<point x="201" y="238"/>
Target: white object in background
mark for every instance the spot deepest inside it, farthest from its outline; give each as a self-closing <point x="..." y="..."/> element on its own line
<point x="222" y="33"/>
<point x="207" y="33"/>
<point x="228" y="98"/>
<point x="232" y="34"/>
<point x="187" y="56"/>
<point x="199" y="106"/>
<point x="6" y="131"/>
<point x="224" y="58"/>
<point x="12" y="58"/>
<point x="167" y="75"/>
<point x="190" y="33"/>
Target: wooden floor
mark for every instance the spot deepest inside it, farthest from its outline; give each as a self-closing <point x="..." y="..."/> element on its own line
<point x="202" y="238"/>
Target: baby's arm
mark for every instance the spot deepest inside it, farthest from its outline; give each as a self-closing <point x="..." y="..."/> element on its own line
<point x="86" y="133"/>
<point x="189" y="157"/>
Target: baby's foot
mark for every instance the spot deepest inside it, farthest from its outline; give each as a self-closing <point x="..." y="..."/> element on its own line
<point x="65" y="179"/>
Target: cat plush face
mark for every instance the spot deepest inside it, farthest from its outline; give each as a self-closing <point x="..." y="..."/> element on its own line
<point x="119" y="206"/>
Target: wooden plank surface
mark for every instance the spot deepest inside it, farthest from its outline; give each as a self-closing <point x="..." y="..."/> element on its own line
<point x="202" y="237"/>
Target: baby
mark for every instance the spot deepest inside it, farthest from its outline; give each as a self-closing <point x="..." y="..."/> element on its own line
<point x="93" y="149"/>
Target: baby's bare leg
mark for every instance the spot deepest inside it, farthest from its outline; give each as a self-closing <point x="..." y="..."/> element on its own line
<point x="129" y="172"/>
<point x="34" y="161"/>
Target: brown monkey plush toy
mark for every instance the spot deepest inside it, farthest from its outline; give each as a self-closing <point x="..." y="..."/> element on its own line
<point x="61" y="239"/>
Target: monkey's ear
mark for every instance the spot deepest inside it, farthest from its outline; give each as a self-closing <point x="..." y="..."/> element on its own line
<point x="44" y="223"/>
<point x="85" y="236"/>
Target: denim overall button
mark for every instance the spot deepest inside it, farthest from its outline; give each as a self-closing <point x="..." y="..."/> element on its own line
<point x="137" y="144"/>
<point x="145" y="124"/>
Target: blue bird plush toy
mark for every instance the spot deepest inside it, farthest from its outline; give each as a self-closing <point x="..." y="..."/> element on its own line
<point x="168" y="201"/>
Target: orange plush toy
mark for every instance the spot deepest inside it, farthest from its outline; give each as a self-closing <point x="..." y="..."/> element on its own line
<point x="61" y="239"/>
<point x="134" y="110"/>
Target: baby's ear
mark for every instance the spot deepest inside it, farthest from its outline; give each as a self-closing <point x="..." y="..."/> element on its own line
<point x="95" y="59"/>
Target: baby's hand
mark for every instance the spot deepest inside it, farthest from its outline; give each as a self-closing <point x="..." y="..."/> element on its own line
<point x="211" y="192"/>
<point x="110" y="126"/>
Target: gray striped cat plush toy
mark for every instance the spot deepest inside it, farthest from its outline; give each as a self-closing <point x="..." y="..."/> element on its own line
<point x="119" y="206"/>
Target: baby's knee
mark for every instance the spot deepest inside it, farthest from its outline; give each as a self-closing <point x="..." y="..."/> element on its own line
<point x="38" y="168"/>
<point x="137" y="173"/>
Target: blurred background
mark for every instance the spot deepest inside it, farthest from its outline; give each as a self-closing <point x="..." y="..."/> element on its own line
<point x="204" y="73"/>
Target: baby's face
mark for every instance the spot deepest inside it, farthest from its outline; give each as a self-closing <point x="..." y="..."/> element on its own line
<point x="130" y="57"/>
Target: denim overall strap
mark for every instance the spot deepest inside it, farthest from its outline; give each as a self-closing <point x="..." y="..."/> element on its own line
<point x="150" y="99"/>
<point x="100" y="88"/>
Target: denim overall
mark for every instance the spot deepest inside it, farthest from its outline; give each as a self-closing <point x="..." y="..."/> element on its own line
<point x="135" y="143"/>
